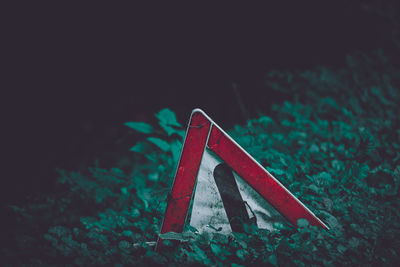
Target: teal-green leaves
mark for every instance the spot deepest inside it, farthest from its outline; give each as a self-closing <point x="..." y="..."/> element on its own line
<point x="140" y="147"/>
<point x="167" y="138"/>
<point x="167" y="120"/>
<point x="334" y="143"/>
<point x="302" y="223"/>
<point x="141" y="127"/>
<point x="167" y="117"/>
<point x="163" y="145"/>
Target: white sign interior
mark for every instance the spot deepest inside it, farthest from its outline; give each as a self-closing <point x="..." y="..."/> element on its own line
<point x="208" y="211"/>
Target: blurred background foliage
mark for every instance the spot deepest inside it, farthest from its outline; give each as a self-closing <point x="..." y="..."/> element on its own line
<point x="322" y="117"/>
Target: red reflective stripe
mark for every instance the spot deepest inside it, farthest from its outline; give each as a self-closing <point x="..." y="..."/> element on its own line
<point x="264" y="183"/>
<point x="186" y="174"/>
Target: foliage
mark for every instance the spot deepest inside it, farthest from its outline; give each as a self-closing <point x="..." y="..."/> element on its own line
<point x="335" y="145"/>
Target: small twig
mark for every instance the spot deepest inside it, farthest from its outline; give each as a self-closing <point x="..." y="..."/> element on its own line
<point x="240" y="102"/>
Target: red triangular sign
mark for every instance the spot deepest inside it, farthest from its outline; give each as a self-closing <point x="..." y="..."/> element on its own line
<point x="229" y="186"/>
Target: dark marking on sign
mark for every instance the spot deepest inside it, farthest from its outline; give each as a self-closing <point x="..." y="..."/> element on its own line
<point x="234" y="205"/>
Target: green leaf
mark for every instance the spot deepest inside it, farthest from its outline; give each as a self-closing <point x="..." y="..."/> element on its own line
<point x="330" y="219"/>
<point x="153" y="176"/>
<point x="124" y="190"/>
<point x="176" y="147"/>
<point x="363" y="171"/>
<point x="141" y="127"/>
<point x="168" y="122"/>
<point x="276" y="171"/>
<point x="342" y="249"/>
<point x="265" y="120"/>
<point x="302" y="223"/>
<point x="272" y="259"/>
<point x="127" y="233"/>
<point x="159" y="142"/>
<point x="140" y="147"/>
<point x="167" y="117"/>
<point x="325" y="176"/>
<point x="200" y="253"/>
<point x="314" y="188"/>
<point x="216" y="249"/>
<point x="241" y="254"/>
<point x="135" y="213"/>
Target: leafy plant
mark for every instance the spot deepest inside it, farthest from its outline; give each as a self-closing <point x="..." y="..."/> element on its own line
<point x="335" y="144"/>
<point x="171" y="143"/>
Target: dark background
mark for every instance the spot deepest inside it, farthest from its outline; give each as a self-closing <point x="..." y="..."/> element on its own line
<point x="76" y="73"/>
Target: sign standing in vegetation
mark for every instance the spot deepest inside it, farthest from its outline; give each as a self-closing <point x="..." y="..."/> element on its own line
<point x="231" y="187"/>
